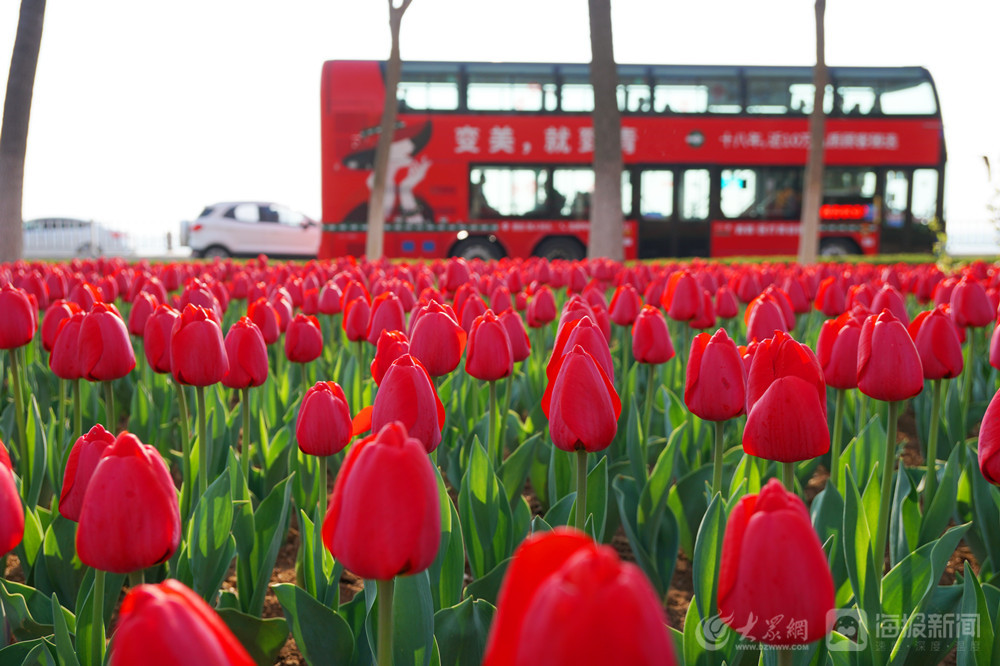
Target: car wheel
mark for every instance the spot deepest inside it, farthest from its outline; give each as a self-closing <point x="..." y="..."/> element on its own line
<point x="213" y="251"/>
<point x="561" y="247"/>
<point x="838" y="247"/>
<point x="478" y="248"/>
<point x="88" y="250"/>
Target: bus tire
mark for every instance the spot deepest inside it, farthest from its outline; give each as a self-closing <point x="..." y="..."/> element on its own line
<point x="477" y="247"/>
<point x="561" y="247"/>
<point x="838" y="247"/>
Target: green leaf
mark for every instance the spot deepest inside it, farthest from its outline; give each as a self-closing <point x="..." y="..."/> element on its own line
<point x="210" y="545"/>
<point x="323" y="637"/>
<point x="61" y="629"/>
<point x="35" y="453"/>
<point x="707" y="554"/>
<point x="688" y="503"/>
<point x="656" y="559"/>
<point x="447" y="573"/>
<point x="412" y="621"/>
<point x="514" y="469"/>
<point x="488" y="586"/>
<point x="262" y="638"/>
<point x="271" y="524"/>
<point x="28" y="612"/>
<point x="63" y="568"/>
<point x="975" y="649"/>
<point x="461" y="632"/>
<point x="856" y="534"/>
<point x="485" y="514"/>
<point x="942" y="506"/>
<point x="904" y="516"/>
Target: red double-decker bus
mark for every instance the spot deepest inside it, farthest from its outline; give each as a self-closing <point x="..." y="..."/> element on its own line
<point x="494" y="159"/>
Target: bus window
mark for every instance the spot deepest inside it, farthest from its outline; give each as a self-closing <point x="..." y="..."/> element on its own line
<point x="925" y="190"/>
<point x="897" y="187"/>
<point x="626" y="194"/>
<point x="573" y="191"/>
<point x="634" y="97"/>
<point x="656" y="194"/>
<point x="912" y="99"/>
<point x="437" y="93"/>
<point x="511" y="192"/>
<point x="890" y="97"/>
<point x="764" y="193"/>
<point x="848" y="185"/>
<point x="511" y="92"/>
<point x="779" y="93"/>
<point x="697" y="96"/>
<point x="576" y="94"/>
<point x="694" y="191"/>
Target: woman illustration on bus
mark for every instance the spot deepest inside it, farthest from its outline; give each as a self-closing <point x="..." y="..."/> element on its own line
<point x="403" y="172"/>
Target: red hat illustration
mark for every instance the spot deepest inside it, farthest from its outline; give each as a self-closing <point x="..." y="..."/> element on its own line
<point x="363" y="156"/>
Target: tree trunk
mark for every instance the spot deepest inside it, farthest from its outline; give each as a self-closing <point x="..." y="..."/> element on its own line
<point x="14" y="131"/>
<point x="606" y="220"/>
<point x="374" y="240"/>
<point x="809" y="233"/>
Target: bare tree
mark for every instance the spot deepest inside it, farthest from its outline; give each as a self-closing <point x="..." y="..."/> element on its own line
<point x="14" y="131"/>
<point x="374" y="241"/>
<point x="809" y="232"/>
<point x="606" y="220"/>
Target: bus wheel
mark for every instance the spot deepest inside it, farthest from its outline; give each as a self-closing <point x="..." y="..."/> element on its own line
<point x="477" y="248"/>
<point x="838" y="247"/>
<point x="561" y="247"/>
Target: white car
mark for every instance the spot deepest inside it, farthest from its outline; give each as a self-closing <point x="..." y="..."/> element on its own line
<point x="59" y="237"/>
<point x="249" y="228"/>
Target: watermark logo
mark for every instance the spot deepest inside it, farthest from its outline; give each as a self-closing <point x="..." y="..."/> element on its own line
<point x="851" y="623"/>
<point x="712" y="633"/>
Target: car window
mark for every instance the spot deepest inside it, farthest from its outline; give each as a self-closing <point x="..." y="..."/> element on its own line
<point x="245" y="212"/>
<point x="268" y="214"/>
<point x="288" y="216"/>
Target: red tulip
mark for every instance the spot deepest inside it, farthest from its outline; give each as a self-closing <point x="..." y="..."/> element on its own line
<point x="198" y="293"/>
<point x="541" y="308"/>
<point x="436" y="339"/>
<point x="837" y="349"/>
<point x="197" y="350"/>
<point x="995" y="347"/>
<point x="323" y="426"/>
<point x="105" y="349"/>
<point x="581" y="404"/>
<point x="156" y="337"/>
<point x="786" y="402"/>
<point x="889" y="366"/>
<point x="682" y="296"/>
<point x="330" y="298"/>
<point x="936" y="339"/>
<point x="303" y="339"/>
<point x="763" y="317"/>
<point x="19" y="321"/>
<point x="585" y="333"/>
<point x="970" y="306"/>
<point x="130" y="519"/>
<point x="830" y="298"/>
<point x="386" y="315"/>
<point x="407" y="395"/>
<point x="167" y="624"/>
<point x="65" y="358"/>
<point x="356" y="315"/>
<point x="58" y="312"/>
<point x="725" y="303"/>
<point x="779" y="606"/>
<point x="889" y="298"/>
<point x="651" y="337"/>
<point x="11" y="509"/>
<point x="386" y="481"/>
<point x="715" y="385"/>
<point x="246" y="352"/>
<point x="563" y="575"/>
<point x="83" y="458"/>
<point x="86" y="296"/>
<point x="266" y="318"/>
<point x="490" y="356"/>
<point x="142" y="307"/>
<point x="989" y="442"/>
<point x="391" y="345"/>
<point x="520" y="344"/>
<point x="625" y="305"/>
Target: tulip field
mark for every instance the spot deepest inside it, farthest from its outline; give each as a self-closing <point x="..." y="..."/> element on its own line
<point x="516" y="462"/>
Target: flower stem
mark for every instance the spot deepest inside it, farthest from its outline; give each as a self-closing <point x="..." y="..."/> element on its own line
<point x="647" y="412"/>
<point x="109" y="407"/>
<point x="77" y="411"/>
<point x="788" y="476"/>
<point x="305" y="380"/>
<point x="203" y="447"/>
<point x="886" y="497"/>
<point x="496" y="454"/>
<point x="838" y="427"/>
<point x="185" y="447"/>
<point x="785" y="656"/>
<point x="930" y="483"/>
<point x="357" y="377"/>
<point x="246" y="450"/>
<point x="717" y="462"/>
<point x="581" y="489"/>
<point x="385" y="592"/>
<point x="97" y="637"/>
<point x="508" y="390"/>
<point x="19" y="413"/>
<point x="321" y="480"/>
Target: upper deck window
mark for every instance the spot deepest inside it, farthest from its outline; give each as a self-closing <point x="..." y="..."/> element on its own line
<point x="888" y="96"/>
<point x="778" y="93"/>
<point x="576" y="94"/>
<point x="497" y="90"/>
<point x="429" y="92"/>
<point x="683" y="95"/>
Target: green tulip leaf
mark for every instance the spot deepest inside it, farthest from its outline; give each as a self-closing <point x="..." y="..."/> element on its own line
<point x="485" y="514"/>
<point x="514" y="469"/>
<point x="487" y="587"/>
<point x="461" y="632"/>
<point x="63" y="568"/>
<point x="321" y="635"/>
<point x="707" y="556"/>
<point x="942" y="506"/>
<point x="262" y="638"/>
<point x="210" y="544"/>
<point x="63" y="625"/>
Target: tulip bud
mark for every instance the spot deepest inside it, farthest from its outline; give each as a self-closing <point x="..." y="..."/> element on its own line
<point x="168" y="624"/>
<point x="83" y="458"/>
<point x="989" y="442"/>
<point x="266" y="318"/>
<point x="58" y="312"/>
<point x="837" y="349"/>
<point x="130" y="519"/>
<point x="581" y="404"/>
<point x="386" y="479"/>
<point x="156" y="337"/>
<point x="11" y="509"/>
<point x="391" y="345"/>
<point x="323" y="426"/>
<point x="520" y="344"/>
<point x="936" y="338"/>
<point x="715" y="384"/>
<point x="142" y="307"/>
<point x="356" y="315"/>
<point x="246" y="352"/>
<point x="489" y="356"/>
<point x="105" y="349"/>
<point x="407" y="395"/>
<point x="769" y="527"/>
<point x="303" y="339"/>
<point x="889" y="366"/>
<point x="651" y="338"/>
<point x="197" y="351"/>
<point x="436" y="339"/>
<point x="386" y="315"/>
<point x="17" y="327"/>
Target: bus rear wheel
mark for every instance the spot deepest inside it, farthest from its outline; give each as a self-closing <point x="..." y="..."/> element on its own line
<point x="838" y="247"/>
<point x="477" y="247"/>
<point x="561" y="247"/>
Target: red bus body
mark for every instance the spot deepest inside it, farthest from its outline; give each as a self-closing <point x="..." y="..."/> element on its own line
<point x="447" y="146"/>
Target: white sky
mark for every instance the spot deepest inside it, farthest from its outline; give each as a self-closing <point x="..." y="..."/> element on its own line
<point x="142" y="116"/>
